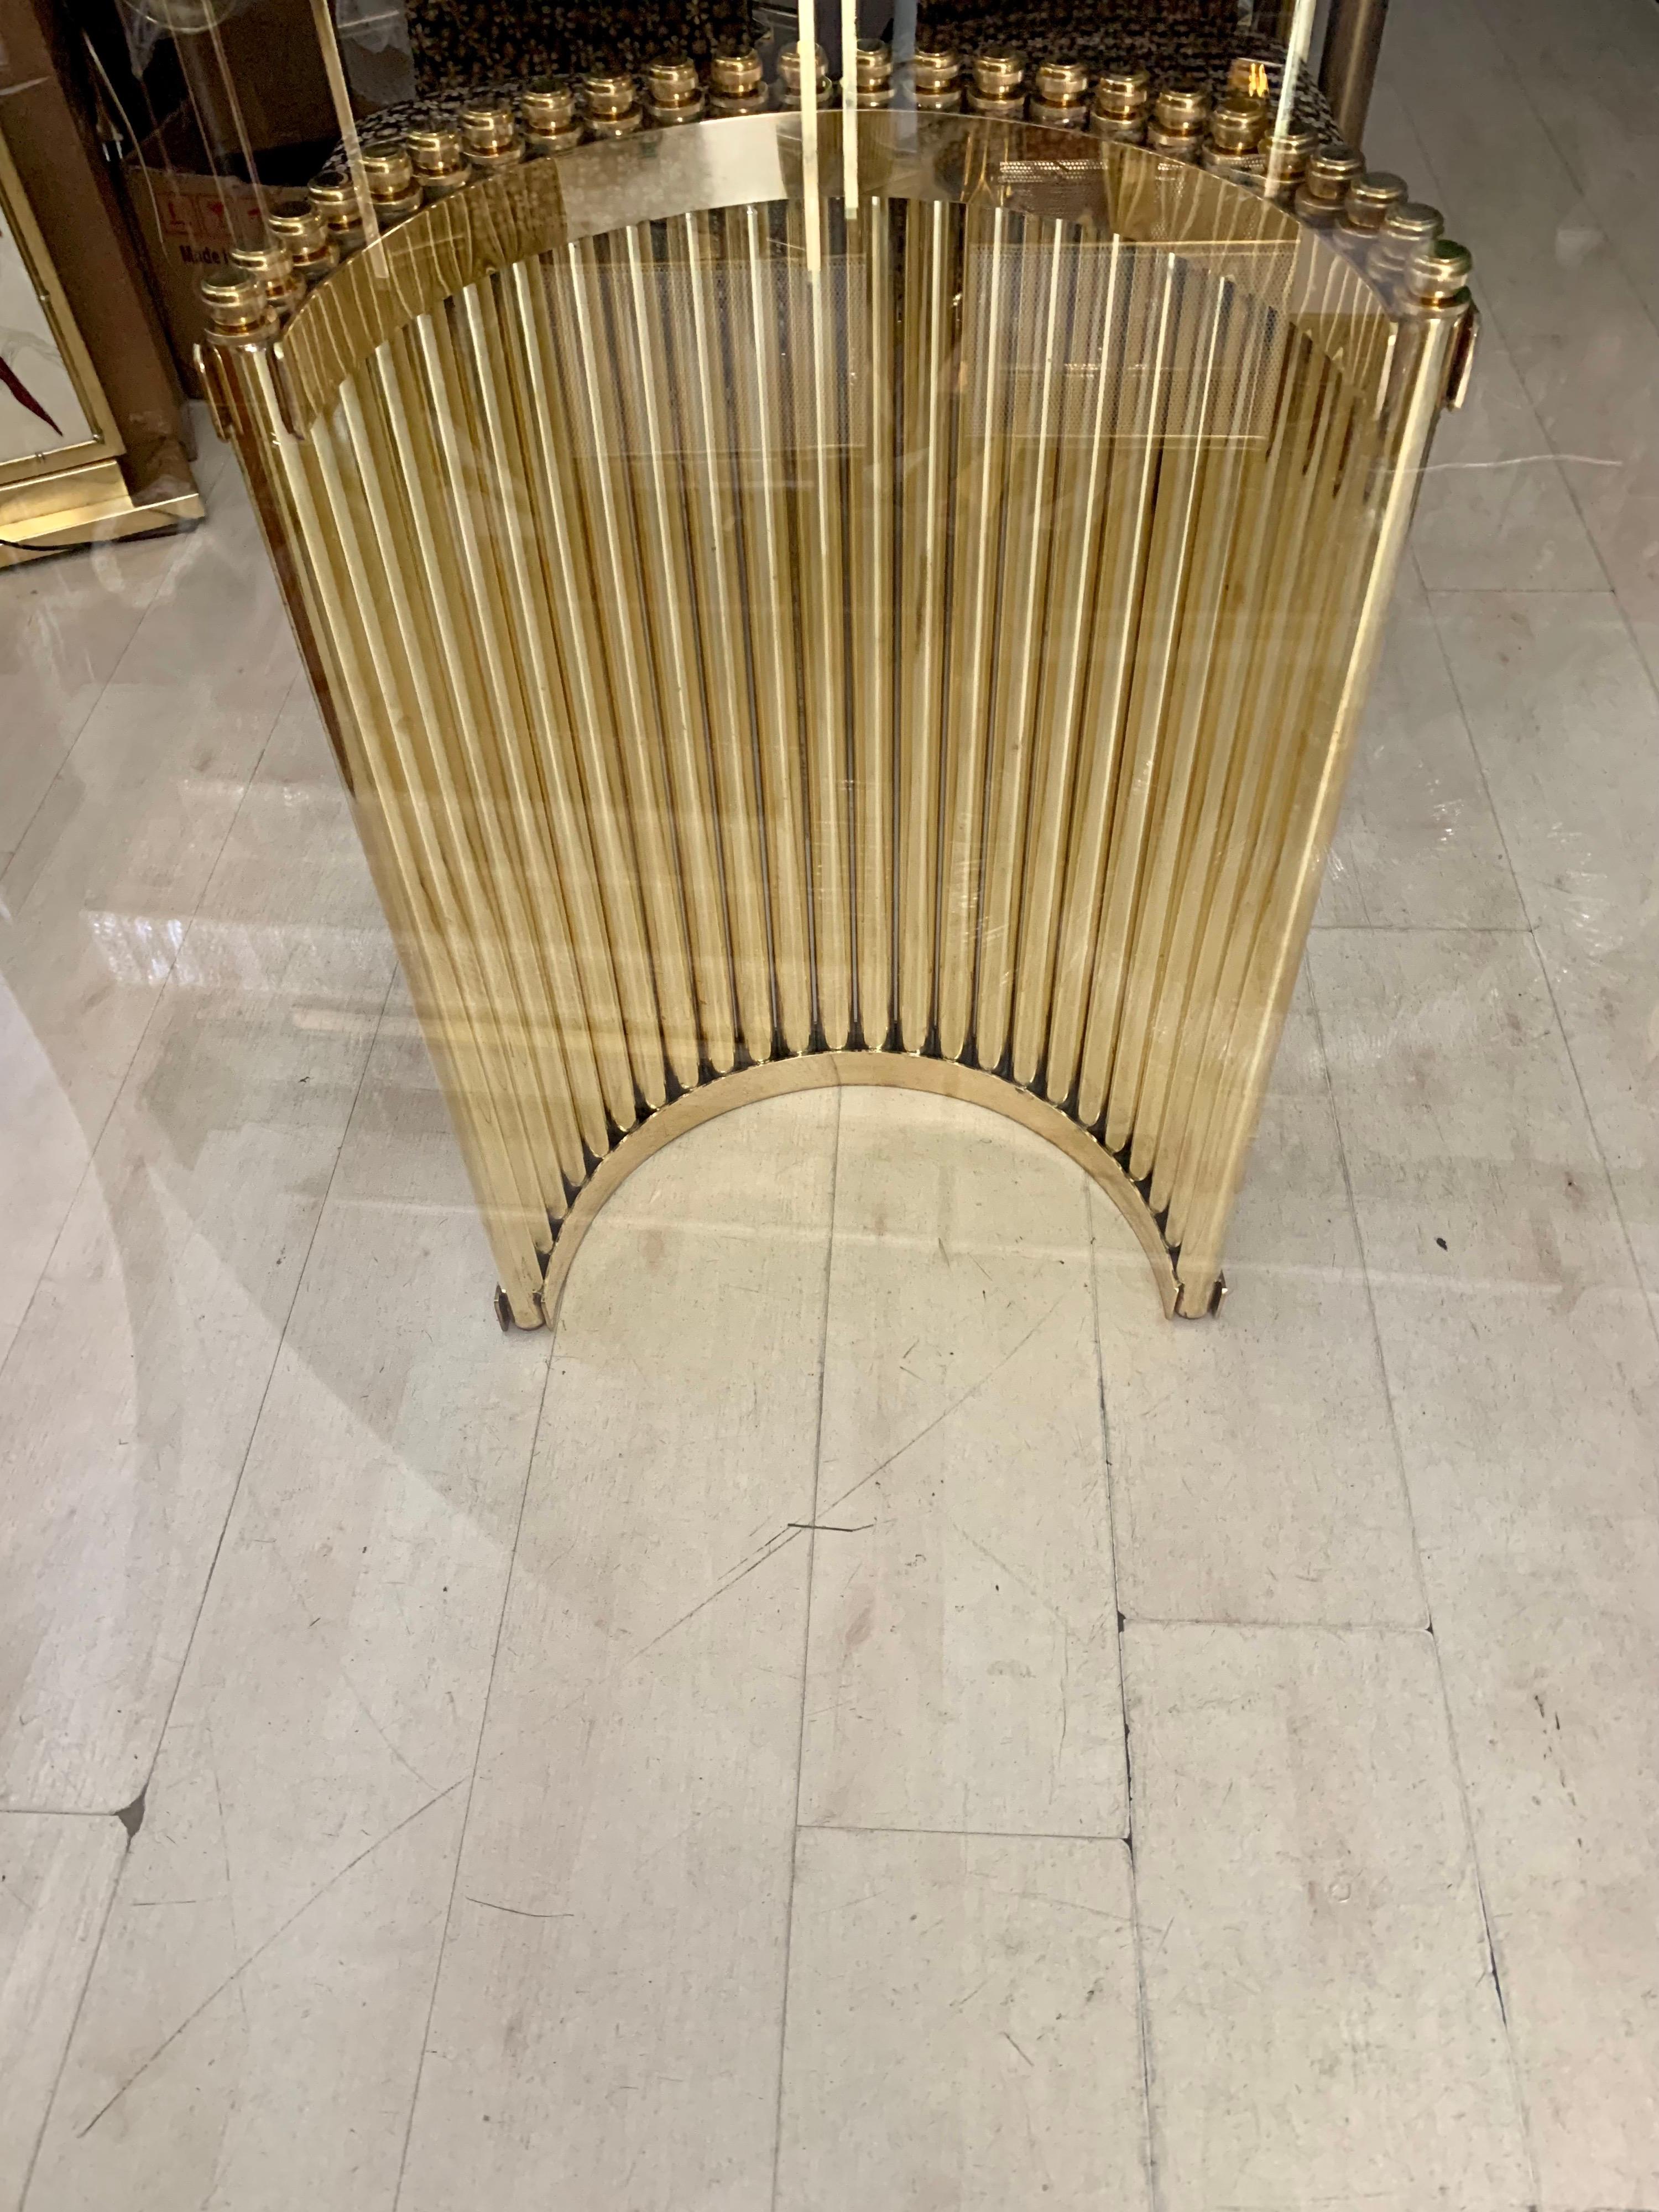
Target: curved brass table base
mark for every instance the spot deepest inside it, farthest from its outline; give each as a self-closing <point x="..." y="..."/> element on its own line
<point x="828" y="1071"/>
<point x="756" y="612"/>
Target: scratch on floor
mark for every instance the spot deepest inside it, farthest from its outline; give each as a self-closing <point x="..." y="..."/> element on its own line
<point x="519" y="1912"/>
<point x="955" y="1404"/>
<point x="793" y="1529"/>
<point x="253" y="1957"/>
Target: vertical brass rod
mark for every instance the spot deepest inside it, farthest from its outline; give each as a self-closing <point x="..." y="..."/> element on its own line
<point x="582" y="345"/>
<point x="1229" y="1096"/>
<point x="1308" y="436"/>
<point x="987" y="272"/>
<point x="504" y="754"/>
<point x="641" y="358"/>
<point x="579" y="642"/>
<point x="1091" y="377"/>
<point x="818" y="540"/>
<point x="1357" y="609"/>
<point x="401" y="460"/>
<point x="1046" y="257"/>
<point x="419" y="420"/>
<point x="1202" y="716"/>
<point x="1150" y="284"/>
<point x="1174" y="519"/>
<point x="870" y="639"/>
<point x="1222" y="470"/>
<point x="710" y="495"/>
<point x="1322" y="564"/>
<point x="583" y="780"/>
<point x="1265" y="575"/>
<point x="931" y="231"/>
<point x="344" y="623"/>
<point x="511" y="477"/>
<point x="374" y="551"/>
<point x="758" y="406"/>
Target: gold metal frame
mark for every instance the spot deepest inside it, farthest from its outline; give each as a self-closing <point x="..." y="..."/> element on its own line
<point x="776" y="640"/>
<point x="69" y="495"/>
<point x="105" y="441"/>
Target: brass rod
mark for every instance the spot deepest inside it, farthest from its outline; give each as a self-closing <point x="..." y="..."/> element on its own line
<point x="394" y="463"/>
<point x="1323" y="563"/>
<point x="818" y="537"/>
<point x="1150" y="284"/>
<point x="1159" y="889"/>
<point x="582" y="347"/>
<point x="504" y="752"/>
<point x="757" y="405"/>
<point x="510" y="478"/>
<point x="341" y="471"/>
<point x="419" y="417"/>
<point x="872" y="430"/>
<point x="641" y="372"/>
<point x="1225" y="1108"/>
<point x="1357" y="608"/>
<point x="1314" y="422"/>
<point x="515" y="1222"/>
<point x="1169" y="560"/>
<point x="584" y="774"/>
<point x="1265" y="571"/>
<point x="1347" y="69"/>
<point x="1091" y="380"/>
<point x="1046" y="258"/>
<point x="932" y="234"/>
<point x="711" y="500"/>
<point x="987" y="273"/>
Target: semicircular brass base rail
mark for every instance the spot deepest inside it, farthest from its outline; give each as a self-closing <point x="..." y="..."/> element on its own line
<point x="887" y="1071"/>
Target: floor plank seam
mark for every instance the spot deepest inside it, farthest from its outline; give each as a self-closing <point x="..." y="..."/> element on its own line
<point x="264" y="1394"/>
<point x="94" y="1948"/>
<point x="1466" y="1805"/>
<point x="1543" y="964"/>
<point x="472" y="1774"/>
<point x="1143" y="2022"/>
<point x="811" y="1532"/>
<point x="976" y="1835"/>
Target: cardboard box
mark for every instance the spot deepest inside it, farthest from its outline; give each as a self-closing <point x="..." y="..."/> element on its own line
<point x="187" y="225"/>
<point x="261" y="86"/>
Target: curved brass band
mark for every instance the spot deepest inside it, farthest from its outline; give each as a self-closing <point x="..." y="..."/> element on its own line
<point x="752" y="160"/>
<point x="831" y="1071"/>
<point x="772" y="643"/>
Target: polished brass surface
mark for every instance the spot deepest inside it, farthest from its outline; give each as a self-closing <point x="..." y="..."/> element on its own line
<point x="439" y="158"/>
<point x="1408" y="227"/>
<point x="1237" y="123"/>
<point x="1123" y="92"/>
<point x="282" y="287"/>
<point x="773" y="638"/>
<point x="303" y="236"/>
<point x="934" y="80"/>
<point x="1370" y="197"/>
<point x="997" y="84"/>
<point x="737" y="84"/>
<point x="1286" y="155"/>
<point x="1060" y="94"/>
<point x="1324" y="188"/>
<point x="96" y="503"/>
